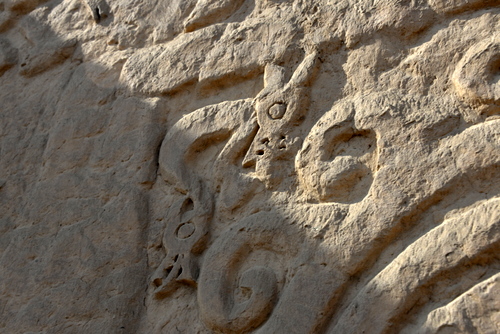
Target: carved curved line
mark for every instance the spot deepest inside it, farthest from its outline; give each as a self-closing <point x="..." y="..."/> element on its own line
<point x="482" y="140"/>
<point x="442" y="249"/>
<point x="481" y="301"/>
<point x="308" y="296"/>
<point x="235" y="147"/>
<point x="473" y="77"/>
<point x="194" y="131"/>
<point x="327" y="177"/>
<point x="217" y="306"/>
<point x="209" y="121"/>
<point x="306" y="301"/>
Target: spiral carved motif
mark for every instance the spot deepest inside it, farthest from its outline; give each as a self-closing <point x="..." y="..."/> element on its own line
<point x="216" y="288"/>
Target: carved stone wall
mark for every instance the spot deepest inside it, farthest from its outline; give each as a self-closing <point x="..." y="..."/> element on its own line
<point x="250" y="166"/>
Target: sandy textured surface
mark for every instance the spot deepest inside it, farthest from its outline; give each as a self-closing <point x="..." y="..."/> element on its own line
<point x="249" y="166"/>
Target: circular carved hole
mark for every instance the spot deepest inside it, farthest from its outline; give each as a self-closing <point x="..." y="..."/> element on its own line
<point x="185" y="230"/>
<point x="277" y="110"/>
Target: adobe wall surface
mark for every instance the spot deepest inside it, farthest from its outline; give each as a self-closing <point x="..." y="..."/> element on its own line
<point x="249" y="166"/>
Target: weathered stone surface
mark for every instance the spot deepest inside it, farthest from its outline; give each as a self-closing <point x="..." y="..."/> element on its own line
<point x="250" y="166"/>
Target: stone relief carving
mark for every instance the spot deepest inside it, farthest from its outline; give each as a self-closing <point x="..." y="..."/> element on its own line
<point x="192" y="134"/>
<point x="257" y="273"/>
<point x="324" y="167"/>
<point x="476" y="77"/>
<point x="262" y="127"/>
<point x="338" y="159"/>
<point x="280" y="107"/>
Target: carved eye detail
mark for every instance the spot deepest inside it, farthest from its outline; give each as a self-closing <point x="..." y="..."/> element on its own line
<point x="277" y="110"/>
